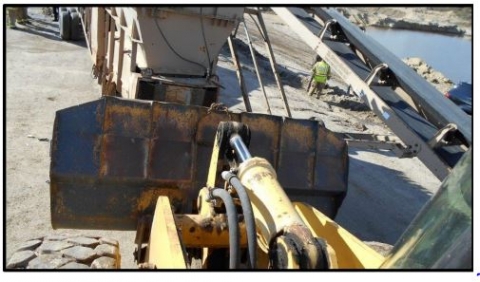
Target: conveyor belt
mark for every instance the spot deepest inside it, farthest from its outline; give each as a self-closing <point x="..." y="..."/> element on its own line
<point x="423" y="128"/>
<point x="413" y="126"/>
<point x="431" y="100"/>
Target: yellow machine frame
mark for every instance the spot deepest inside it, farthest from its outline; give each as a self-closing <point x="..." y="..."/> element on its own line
<point x="275" y="217"/>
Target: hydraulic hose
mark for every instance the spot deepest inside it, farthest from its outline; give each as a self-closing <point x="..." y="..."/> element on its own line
<point x="247" y="214"/>
<point x="234" y="237"/>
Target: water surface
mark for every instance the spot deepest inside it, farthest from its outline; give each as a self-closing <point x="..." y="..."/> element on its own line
<point x="450" y="55"/>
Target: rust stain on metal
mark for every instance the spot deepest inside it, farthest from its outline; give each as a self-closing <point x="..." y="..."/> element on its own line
<point x="335" y="140"/>
<point x="130" y="120"/>
<point x="301" y="231"/>
<point x="173" y="123"/>
<point x="199" y="231"/>
<point x="57" y="203"/>
<point x="103" y="168"/>
<point x="178" y="94"/>
<point x="262" y="124"/>
<point x="148" y="198"/>
<point x="303" y="137"/>
<point x="112" y="202"/>
<point x="99" y="113"/>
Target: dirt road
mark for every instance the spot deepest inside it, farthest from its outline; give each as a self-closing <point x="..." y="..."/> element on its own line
<point x="45" y="74"/>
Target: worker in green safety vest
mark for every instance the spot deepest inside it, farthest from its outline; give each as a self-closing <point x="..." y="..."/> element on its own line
<point x="320" y="76"/>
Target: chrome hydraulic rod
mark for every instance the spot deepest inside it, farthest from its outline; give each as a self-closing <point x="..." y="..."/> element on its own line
<point x="242" y="151"/>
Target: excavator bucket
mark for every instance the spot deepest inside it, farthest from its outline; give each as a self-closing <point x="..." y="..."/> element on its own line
<point x="112" y="158"/>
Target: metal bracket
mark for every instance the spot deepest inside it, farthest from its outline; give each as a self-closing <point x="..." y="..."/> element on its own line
<point x="379" y="142"/>
<point x="142" y="236"/>
<point x="327" y="25"/>
<point x="210" y="198"/>
<point x="374" y="72"/>
<point x="440" y="135"/>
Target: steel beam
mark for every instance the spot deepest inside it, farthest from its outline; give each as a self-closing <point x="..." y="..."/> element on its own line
<point x="273" y="63"/>
<point x="240" y="77"/>
<point x="257" y="70"/>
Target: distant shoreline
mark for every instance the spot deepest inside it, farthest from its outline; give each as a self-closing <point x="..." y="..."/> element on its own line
<point x="449" y="30"/>
<point x="449" y="21"/>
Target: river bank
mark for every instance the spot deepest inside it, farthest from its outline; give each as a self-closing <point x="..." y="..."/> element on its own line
<point x="446" y="20"/>
<point x="436" y="78"/>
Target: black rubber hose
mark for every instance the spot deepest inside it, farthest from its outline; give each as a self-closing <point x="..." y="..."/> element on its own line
<point x="234" y="237"/>
<point x="247" y="214"/>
